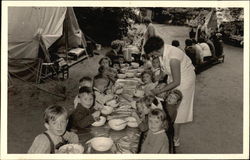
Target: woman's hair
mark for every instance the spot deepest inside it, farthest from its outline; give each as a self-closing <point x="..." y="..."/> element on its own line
<point x="160" y="114"/>
<point x="175" y="43"/>
<point x="53" y="112"/>
<point x="85" y="78"/>
<point x="105" y="58"/>
<point x="148" y="72"/>
<point x="188" y="42"/>
<point x="153" y="44"/>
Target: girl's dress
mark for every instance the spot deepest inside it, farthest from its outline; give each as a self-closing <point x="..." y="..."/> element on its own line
<point x="156" y="142"/>
<point x="187" y="84"/>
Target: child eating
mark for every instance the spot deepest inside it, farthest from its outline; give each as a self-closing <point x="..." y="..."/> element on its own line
<point x="84" y="114"/>
<point x="156" y="139"/>
<point x="106" y="70"/>
<point x="85" y="81"/>
<point x="147" y="64"/>
<point x="148" y="80"/>
<point x="156" y="69"/>
<point x="141" y="114"/>
<point x="101" y="87"/>
<point x="56" y="120"/>
<point x="116" y="65"/>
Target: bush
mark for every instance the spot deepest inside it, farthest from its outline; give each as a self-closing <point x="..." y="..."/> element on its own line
<point x="104" y="24"/>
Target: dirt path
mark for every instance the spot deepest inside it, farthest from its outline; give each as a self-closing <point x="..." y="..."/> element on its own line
<point x="217" y="125"/>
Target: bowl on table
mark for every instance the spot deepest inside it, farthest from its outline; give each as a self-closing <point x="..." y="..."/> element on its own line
<point x="117" y="124"/>
<point x="112" y="103"/>
<point x="101" y="122"/>
<point x="107" y="110"/>
<point x="131" y="122"/>
<point x="135" y="65"/>
<point x="140" y="70"/>
<point x="119" y="91"/>
<point x="101" y="144"/>
<point x="138" y="75"/>
<point x="71" y="149"/>
<point x="139" y="93"/>
<point x="124" y="70"/>
<point x="130" y="74"/>
<point x="121" y="76"/>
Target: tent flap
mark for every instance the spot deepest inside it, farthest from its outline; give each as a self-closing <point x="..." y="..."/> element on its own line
<point x="27" y="26"/>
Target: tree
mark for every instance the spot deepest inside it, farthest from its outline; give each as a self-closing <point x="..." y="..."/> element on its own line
<point x="104" y="24"/>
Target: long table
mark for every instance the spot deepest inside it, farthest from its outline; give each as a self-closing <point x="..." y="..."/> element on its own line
<point x="125" y="141"/>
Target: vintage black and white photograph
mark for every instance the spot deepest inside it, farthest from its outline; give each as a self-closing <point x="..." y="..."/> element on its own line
<point x="125" y="80"/>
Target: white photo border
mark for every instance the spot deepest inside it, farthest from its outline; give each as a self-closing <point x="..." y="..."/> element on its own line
<point x="4" y="76"/>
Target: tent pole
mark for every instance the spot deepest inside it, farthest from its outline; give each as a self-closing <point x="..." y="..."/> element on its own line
<point x="66" y="34"/>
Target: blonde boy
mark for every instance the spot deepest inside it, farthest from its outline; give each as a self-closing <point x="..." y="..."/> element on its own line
<point x="56" y="120"/>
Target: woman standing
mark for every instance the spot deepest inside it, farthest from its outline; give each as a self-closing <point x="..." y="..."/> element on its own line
<point x="181" y="75"/>
<point x="149" y="32"/>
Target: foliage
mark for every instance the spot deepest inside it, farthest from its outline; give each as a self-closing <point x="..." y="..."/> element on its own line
<point x="176" y="16"/>
<point x="104" y="24"/>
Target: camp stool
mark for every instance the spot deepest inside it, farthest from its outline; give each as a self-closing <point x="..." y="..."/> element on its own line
<point x="47" y="69"/>
<point x="65" y="71"/>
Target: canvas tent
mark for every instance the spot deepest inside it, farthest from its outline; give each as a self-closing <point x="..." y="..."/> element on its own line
<point x="33" y="28"/>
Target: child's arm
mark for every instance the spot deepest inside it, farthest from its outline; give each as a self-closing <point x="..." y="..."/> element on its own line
<point x="40" y="144"/>
<point x="143" y="126"/>
<point x="71" y="137"/>
<point x="82" y="119"/>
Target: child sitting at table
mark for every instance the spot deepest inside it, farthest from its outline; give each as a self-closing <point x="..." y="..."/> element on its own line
<point x="147" y="78"/>
<point x="156" y="68"/>
<point x="156" y="140"/>
<point x="101" y="87"/>
<point x="56" y="120"/>
<point x="153" y="102"/>
<point x="116" y="65"/>
<point x="170" y="106"/>
<point x="172" y="102"/>
<point x="85" y="81"/>
<point x="141" y="114"/>
<point x="146" y="63"/>
<point x="121" y="59"/>
<point x="106" y="70"/>
<point x="84" y="114"/>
